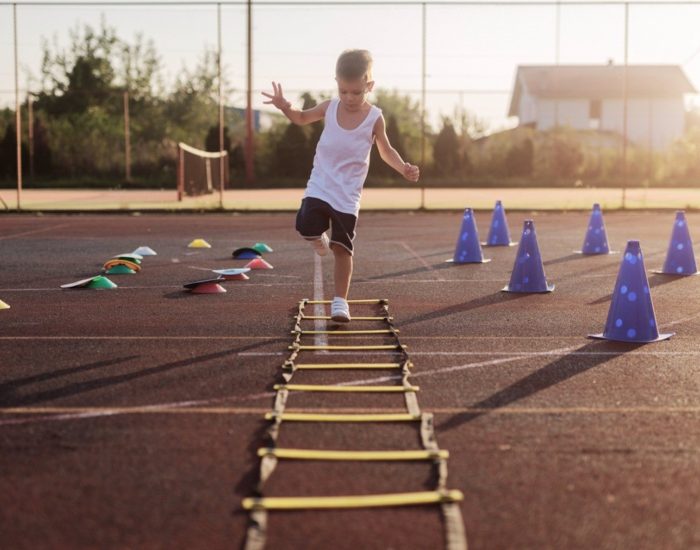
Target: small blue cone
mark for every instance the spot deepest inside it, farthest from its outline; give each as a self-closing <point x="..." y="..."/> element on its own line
<point x="468" y="250"/>
<point x="596" y="239"/>
<point x="528" y="272"/>
<point x="499" y="235"/>
<point x="631" y="316"/>
<point x="680" y="258"/>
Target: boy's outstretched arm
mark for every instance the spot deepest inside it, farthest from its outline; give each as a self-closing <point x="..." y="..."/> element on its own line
<point x="389" y="154"/>
<point x="296" y="116"/>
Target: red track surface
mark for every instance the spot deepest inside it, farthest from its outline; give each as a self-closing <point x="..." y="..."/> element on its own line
<point x="557" y="441"/>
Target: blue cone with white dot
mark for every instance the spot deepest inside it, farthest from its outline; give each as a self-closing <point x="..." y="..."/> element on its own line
<point x="680" y="258"/>
<point x="468" y="250"/>
<point x="528" y="272"/>
<point x="596" y="239"/>
<point x="631" y="317"/>
<point x="499" y="235"/>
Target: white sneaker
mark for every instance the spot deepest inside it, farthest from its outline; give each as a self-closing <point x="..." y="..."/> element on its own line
<point x="340" y="310"/>
<point x="321" y="246"/>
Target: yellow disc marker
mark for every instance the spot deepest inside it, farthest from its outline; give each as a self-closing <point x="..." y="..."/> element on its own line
<point x="199" y="243"/>
<point x="3" y="305"/>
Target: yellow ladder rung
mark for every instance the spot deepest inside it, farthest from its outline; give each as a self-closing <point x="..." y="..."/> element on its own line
<point x="343" y="332"/>
<point x="355" y="501"/>
<point x="348" y="348"/>
<point x="356" y="389"/>
<point x="328" y="318"/>
<point x="323" y="366"/>
<point x="355" y="417"/>
<point x="313" y="454"/>
<point x="369" y="301"/>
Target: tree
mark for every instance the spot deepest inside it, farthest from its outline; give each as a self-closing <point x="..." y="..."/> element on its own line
<point x="292" y="153"/>
<point x="81" y="77"/>
<point x="519" y="159"/>
<point x="8" y="154"/>
<point x="42" y="148"/>
<point x="211" y="142"/>
<point x="407" y="114"/>
<point x="446" y="150"/>
<point x="315" y="129"/>
<point x="377" y="167"/>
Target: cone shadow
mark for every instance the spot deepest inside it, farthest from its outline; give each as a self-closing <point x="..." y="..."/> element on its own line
<point x="550" y="375"/>
<point x="563" y="259"/>
<point x="416" y="270"/>
<point x="8" y="388"/>
<point x="483" y="301"/>
<point x="107" y="381"/>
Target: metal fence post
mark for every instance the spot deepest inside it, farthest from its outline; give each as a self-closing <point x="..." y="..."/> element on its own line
<point x="18" y="113"/>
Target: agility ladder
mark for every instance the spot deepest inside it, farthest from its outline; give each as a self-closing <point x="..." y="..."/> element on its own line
<point x="269" y="455"/>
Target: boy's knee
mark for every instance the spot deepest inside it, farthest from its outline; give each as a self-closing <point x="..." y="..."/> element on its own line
<point x="340" y="250"/>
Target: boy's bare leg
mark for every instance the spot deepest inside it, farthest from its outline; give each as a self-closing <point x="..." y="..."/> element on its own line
<point x="343" y="270"/>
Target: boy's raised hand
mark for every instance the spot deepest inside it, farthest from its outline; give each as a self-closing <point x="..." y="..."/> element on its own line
<point x="411" y="172"/>
<point x="277" y="98"/>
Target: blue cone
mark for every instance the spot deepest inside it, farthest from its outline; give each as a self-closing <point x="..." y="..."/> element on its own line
<point x="528" y="271"/>
<point x="498" y="232"/>
<point x="468" y="249"/>
<point x="631" y="316"/>
<point x="680" y="258"/>
<point x="596" y="240"/>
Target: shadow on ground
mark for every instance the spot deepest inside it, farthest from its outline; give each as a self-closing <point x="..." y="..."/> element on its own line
<point x="483" y="301"/>
<point x="9" y="398"/>
<point x="559" y="370"/>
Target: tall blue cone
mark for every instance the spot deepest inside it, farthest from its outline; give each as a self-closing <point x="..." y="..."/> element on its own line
<point x="631" y="316"/>
<point x="596" y="240"/>
<point x="499" y="235"/>
<point x="528" y="271"/>
<point x="468" y="249"/>
<point x="680" y="258"/>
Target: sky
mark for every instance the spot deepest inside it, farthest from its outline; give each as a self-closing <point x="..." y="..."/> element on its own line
<point x="472" y="51"/>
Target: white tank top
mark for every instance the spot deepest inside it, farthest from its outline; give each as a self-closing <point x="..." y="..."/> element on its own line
<point x="342" y="161"/>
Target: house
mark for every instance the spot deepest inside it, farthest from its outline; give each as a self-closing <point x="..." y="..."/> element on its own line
<point x="587" y="97"/>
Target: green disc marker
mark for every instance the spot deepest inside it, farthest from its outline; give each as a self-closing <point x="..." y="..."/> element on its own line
<point x="261" y="247"/>
<point x="120" y="270"/>
<point x="101" y="283"/>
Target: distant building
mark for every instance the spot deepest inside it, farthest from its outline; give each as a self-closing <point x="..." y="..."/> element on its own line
<point x="587" y="97"/>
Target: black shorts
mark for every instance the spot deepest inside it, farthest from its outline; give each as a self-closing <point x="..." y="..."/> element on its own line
<point x="316" y="216"/>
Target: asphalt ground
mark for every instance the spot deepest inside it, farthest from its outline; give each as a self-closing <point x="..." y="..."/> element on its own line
<point x="131" y="417"/>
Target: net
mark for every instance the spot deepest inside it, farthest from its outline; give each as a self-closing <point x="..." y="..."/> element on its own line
<point x="200" y="172"/>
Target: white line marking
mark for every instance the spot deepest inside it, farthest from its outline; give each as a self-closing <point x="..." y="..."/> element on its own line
<point x="422" y="261"/>
<point x="33" y="231"/>
<point x="144" y="338"/>
<point x="500" y="353"/>
<point x="93" y="412"/>
<point x="319" y="309"/>
<point x="551" y="353"/>
<point x="455" y="368"/>
<point x="679" y="321"/>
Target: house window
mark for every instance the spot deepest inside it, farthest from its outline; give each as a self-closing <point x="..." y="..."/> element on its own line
<point x="594" y="111"/>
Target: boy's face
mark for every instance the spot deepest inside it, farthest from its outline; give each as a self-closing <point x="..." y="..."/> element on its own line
<point x="353" y="93"/>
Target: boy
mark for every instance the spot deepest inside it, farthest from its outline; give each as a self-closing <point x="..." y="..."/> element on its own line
<point x="340" y="166"/>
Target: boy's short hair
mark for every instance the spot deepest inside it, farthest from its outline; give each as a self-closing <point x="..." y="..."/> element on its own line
<point x="354" y="65"/>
